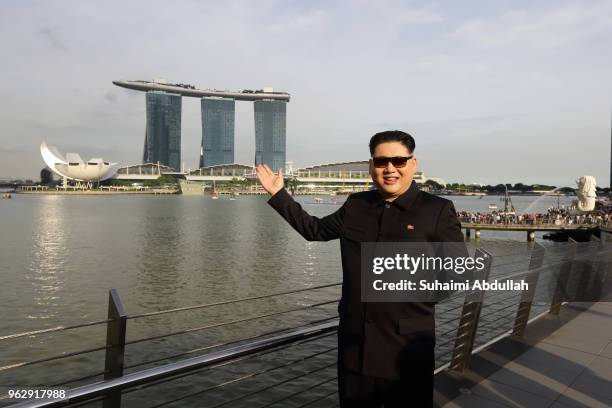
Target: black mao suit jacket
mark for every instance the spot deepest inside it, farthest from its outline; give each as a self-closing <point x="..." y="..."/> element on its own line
<point x="384" y="340"/>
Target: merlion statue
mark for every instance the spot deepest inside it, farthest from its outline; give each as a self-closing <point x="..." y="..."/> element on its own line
<point x="586" y="193"/>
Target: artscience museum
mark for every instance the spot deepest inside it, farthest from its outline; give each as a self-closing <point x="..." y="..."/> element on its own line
<point x="72" y="167"/>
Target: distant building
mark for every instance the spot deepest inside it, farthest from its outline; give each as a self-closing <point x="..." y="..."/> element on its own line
<point x="350" y="172"/>
<point x="270" y="133"/>
<point x="217" y="131"/>
<point x="222" y="172"/>
<point x="144" y="171"/>
<point x="163" y="132"/>
<point x="72" y="167"/>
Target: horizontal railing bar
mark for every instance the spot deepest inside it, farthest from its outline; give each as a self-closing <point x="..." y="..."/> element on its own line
<point x="497" y="318"/>
<point x="512" y="314"/>
<point x="211" y="326"/>
<point x="79" y="379"/>
<point x="501" y="298"/>
<point x="528" y="271"/>
<point x="444" y="343"/>
<point x="457" y="306"/>
<point x="90" y="391"/>
<point x="522" y="261"/>
<point x="275" y="385"/>
<point x="227" y="302"/>
<point x="457" y="295"/>
<point x="441" y="357"/>
<point x="320" y="398"/>
<point x="301" y="392"/>
<point x="52" y="329"/>
<point x="520" y="271"/>
<point x="448" y="332"/>
<point x="228" y="362"/>
<point x="489" y="324"/>
<point x="57" y="357"/>
<point x="447" y="321"/>
<point x="509" y="254"/>
<point x="495" y="307"/>
<point x="244" y="377"/>
<point x="227" y="343"/>
<point x="87" y="403"/>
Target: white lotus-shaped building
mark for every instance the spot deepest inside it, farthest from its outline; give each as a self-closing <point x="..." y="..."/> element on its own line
<point x="74" y="168"/>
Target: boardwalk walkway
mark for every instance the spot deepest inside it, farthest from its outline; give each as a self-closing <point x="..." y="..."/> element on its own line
<point x="564" y="361"/>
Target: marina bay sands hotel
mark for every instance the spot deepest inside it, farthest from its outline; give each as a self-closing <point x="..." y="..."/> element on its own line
<point x="163" y="130"/>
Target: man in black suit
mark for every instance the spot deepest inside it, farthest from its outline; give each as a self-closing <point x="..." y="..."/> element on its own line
<point x="385" y="350"/>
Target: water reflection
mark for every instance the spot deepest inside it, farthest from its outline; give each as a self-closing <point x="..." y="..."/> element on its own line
<point x="49" y="255"/>
<point x="159" y="238"/>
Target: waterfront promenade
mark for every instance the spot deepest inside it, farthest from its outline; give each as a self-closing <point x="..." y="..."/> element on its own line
<point x="530" y="229"/>
<point x="552" y="221"/>
<point x="563" y="361"/>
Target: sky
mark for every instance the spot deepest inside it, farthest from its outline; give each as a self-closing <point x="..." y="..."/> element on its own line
<point x="493" y="92"/>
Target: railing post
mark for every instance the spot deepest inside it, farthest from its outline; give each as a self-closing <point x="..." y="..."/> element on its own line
<point x="600" y="259"/>
<point x="563" y="278"/>
<point x="605" y="264"/>
<point x="524" y="308"/>
<point x="470" y="315"/>
<point x="115" y="341"/>
<point x="588" y="287"/>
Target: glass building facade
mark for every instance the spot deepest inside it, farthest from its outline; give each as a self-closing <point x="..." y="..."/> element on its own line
<point x="217" y="131"/>
<point x="163" y="134"/>
<point x="270" y="133"/>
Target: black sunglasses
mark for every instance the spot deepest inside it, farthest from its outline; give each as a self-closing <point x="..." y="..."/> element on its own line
<point x="397" y="161"/>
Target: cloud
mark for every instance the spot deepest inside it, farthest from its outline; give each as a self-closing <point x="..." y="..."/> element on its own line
<point x="53" y="39"/>
<point x="418" y="16"/>
<point x="460" y="76"/>
<point x="304" y="22"/>
<point x="110" y="96"/>
<point x="567" y="25"/>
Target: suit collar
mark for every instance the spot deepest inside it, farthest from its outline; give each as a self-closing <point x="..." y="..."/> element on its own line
<point x="404" y="201"/>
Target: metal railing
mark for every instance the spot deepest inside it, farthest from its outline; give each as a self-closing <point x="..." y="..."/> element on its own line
<point x="466" y="321"/>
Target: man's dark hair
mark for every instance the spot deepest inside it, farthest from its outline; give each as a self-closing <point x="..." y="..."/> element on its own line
<point x="392" y="136"/>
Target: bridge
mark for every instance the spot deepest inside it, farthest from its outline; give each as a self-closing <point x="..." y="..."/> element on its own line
<point x="530" y="229"/>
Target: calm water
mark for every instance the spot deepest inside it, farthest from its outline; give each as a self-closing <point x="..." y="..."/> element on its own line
<point x="60" y="255"/>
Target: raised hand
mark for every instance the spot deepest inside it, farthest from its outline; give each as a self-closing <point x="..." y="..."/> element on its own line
<point x="270" y="181"/>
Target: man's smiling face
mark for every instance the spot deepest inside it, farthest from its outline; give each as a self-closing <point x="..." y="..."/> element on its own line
<point x="392" y="181"/>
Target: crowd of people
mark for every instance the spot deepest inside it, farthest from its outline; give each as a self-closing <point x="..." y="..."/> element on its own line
<point x="556" y="216"/>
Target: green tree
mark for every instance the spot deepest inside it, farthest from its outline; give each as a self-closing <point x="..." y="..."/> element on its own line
<point x="292" y="184"/>
<point x="434" y="185"/>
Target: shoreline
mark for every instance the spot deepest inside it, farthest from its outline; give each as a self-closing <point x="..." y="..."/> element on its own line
<point x="98" y="192"/>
